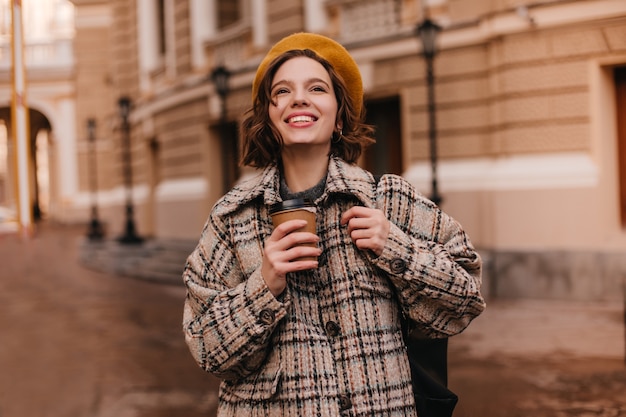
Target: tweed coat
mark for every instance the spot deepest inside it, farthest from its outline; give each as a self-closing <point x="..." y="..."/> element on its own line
<point x="331" y="344"/>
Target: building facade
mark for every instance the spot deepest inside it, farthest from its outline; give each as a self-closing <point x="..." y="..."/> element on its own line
<point x="530" y="103"/>
<point x="48" y="30"/>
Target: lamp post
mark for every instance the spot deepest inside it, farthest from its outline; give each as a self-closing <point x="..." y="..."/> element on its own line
<point x="95" y="231"/>
<point x="220" y="76"/>
<point x="427" y="31"/>
<point x="130" y="234"/>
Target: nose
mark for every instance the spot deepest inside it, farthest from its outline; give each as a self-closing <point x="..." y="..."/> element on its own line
<point x="299" y="98"/>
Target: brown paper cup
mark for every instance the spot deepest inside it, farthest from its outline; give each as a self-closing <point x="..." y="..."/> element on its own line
<point x="294" y="210"/>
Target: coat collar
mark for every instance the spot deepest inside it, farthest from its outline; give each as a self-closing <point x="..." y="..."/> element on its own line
<point x="350" y="179"/>
<point x="342" y="178"/>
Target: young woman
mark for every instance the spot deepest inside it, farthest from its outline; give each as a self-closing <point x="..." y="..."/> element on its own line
<point x="322" y="337"/>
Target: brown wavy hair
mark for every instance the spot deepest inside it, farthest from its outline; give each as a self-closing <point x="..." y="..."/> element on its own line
<point x="262" y="143"/>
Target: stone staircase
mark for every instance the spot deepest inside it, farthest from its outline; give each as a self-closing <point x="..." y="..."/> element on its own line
<point x="160" y="261"/>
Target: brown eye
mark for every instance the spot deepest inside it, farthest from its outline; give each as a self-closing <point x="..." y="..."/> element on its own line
<point x="279" y="91"/>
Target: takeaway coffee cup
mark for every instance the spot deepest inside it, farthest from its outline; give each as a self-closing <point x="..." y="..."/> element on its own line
<point x="298" y="208"/>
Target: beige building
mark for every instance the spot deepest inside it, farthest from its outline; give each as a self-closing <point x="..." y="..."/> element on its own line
<point x="530" y="119"/>
<point x="48" y="29"/>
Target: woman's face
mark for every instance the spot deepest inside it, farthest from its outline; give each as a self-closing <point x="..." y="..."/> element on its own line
<point x="304" y="106"/>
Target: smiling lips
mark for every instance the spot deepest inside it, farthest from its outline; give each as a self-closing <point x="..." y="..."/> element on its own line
<point x="301" y="119"/>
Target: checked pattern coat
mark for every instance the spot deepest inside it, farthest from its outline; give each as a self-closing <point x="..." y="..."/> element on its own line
<point x="331" y="344"/>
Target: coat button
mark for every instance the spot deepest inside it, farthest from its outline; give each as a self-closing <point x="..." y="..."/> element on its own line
<point x="267" y="317"/>
<point x="398" y="266"/>
<point x="344" y="402"/>
<point x="332" y="329"/>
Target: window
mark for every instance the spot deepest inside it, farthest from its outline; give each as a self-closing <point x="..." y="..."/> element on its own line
<point x="228" y="13"/>
<point x="161" y="27"/>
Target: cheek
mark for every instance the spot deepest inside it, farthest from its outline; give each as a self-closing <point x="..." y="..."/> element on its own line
<point x="333" y="108"/>
<point x="335" y="118"/>
<point x="275" y="113"/>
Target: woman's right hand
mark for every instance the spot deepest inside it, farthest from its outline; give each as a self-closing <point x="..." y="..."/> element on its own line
<point x="282" y="250"/>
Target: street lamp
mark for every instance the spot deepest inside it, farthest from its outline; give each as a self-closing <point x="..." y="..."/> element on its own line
<point x="130" y="235"/>
<point x="95" y="227"/>
<point x="220" y="77"/>
<point x="428" y="31"/>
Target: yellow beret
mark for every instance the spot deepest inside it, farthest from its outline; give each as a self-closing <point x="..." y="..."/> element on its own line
<point x="330" y="50"/>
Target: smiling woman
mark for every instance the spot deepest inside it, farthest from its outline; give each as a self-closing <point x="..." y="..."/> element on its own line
<point x="263" y="142"/>
<point x="301" y="321"/>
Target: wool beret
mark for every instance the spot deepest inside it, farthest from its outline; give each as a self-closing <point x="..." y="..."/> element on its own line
<point x="327" y="48"/>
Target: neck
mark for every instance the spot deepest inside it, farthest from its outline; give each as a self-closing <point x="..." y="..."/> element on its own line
<point x="302" y="171"/>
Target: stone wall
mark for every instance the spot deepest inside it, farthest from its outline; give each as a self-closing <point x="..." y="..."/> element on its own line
<point x="557" y="275"/>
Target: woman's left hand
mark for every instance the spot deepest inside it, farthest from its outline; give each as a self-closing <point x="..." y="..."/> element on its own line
<point x="368" y="228"/>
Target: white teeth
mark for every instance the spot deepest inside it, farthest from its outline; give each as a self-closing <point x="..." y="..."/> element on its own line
<point x="297" y="119"/>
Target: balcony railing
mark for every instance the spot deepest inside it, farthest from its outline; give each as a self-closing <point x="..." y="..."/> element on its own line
<point x="369" y="19"/>
<point x="57" y="53"/>
<point x="231" y="47"/>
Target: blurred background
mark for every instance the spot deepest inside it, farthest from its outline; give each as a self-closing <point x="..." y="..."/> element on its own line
<point x="511" y="114"/>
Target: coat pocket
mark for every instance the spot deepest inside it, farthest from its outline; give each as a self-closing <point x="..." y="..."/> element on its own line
<point x="258" y="386"/>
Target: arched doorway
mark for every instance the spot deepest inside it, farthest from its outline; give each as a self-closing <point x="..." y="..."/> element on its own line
<point x="39" y="159"/>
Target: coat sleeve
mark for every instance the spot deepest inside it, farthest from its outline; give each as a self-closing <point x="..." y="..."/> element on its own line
<point x="430" y="260"/>
<point x="228" y="319"/>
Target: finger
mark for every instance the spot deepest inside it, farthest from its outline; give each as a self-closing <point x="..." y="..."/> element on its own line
<point x="297" y="265"/>
<point x="296" y="239"/>
<point x="362" y="243"/>
<point x="360" y="223"/>
<point x="286" y="228"/>
<point x="370" y="244"/>
<point x="299" y="253"/>
<point x="353" y="212"/>
<point x="294" y="259"/>
<point x="303" y="265"/>
<point x="279" y="255"/>
<point x="360" y="234"/>
<point x="278" y="251"/>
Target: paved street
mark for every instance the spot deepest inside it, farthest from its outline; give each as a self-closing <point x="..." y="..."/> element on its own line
<point x="77" y="343"/>
<point x="541" y="359"/>
<point x="80" y="343"/>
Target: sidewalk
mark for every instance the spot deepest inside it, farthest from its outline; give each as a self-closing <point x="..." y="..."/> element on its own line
<point x="542" y="328"/>
<point x="541" y="358"/>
